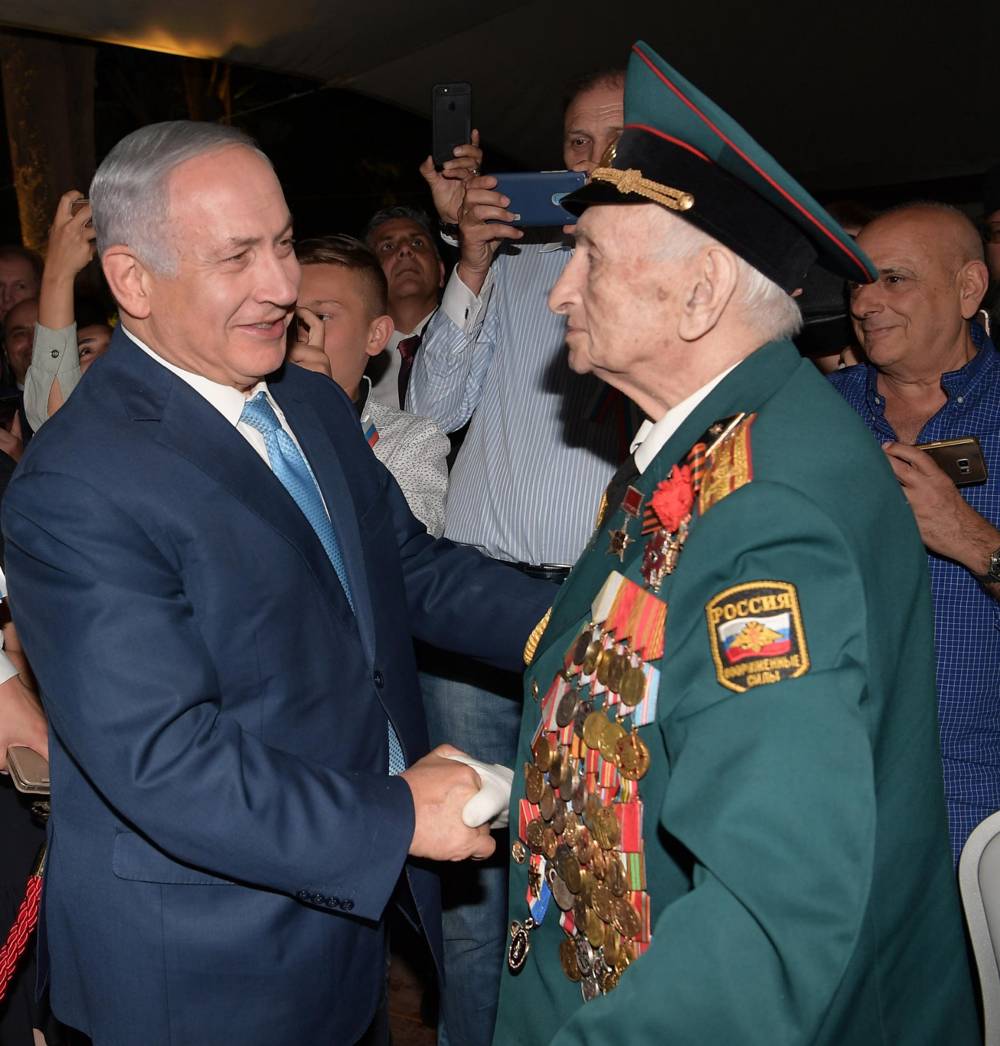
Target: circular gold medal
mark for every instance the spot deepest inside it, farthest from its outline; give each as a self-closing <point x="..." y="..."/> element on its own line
<point x="534" y="783"/>
<point x="603" y="902"/>
<point x="599" y="865"/>
<point x="594" y="929"/>
<point x="625" y="956"/>
<point x="610" y="829"/>
<point x="610" y="736"/>
<point x="616" y="672"/>
<point x="580" y="912"/>
<point x="610" y="981"/>
<point x="547" y="803"/>
<point x="632" y="756"/>
<point x="633" y="688"/>
<point x="567" y="959"/>
<point x="549" y="842"/>
<point x="567" y="779"/>
<point x="604" y="665"/>
<point x="612" y="944"/>
<point x="593" y="728"/>
<point x="570" y="872"/>
<point x="518" y="851"/>
<point x="559" y="818"/>
<point x="626" y="918"/>
<point x="542" y="752"/>
<point x="615" y="878"/>
<point x="572" y="829"/>
<point x="579" y="799"/>
<point x="534" y="834"/>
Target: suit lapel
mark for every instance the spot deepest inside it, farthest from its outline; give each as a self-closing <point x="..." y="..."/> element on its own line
<point x="320" y="451"/>
<point x="193" y="428"/>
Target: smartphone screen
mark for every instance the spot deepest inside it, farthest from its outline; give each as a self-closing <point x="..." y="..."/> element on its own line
<point x="451" y="120"/>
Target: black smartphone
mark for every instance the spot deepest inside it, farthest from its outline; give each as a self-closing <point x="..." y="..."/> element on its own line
<point x="451" y="120"/>
<point x="961" y="459"/>
<point x="536" y="196"/>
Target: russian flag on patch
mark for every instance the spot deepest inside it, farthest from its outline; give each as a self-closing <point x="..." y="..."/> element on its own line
<point x="371" y="434"/>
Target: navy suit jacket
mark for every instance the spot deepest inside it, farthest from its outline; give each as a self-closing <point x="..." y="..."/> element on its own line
<point x="225" y="837"/>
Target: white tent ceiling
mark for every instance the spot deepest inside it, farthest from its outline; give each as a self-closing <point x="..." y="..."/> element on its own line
<point x="851" y="94"/>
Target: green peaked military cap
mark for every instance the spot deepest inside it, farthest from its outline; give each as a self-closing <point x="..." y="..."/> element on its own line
<point x="679" y="149"/>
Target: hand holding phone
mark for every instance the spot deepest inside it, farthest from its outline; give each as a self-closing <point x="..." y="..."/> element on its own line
<point x="28" y="770"/>
<point x="451" y="120"/>
<point x="536" y="197"/>
<point x="960" y="459"/>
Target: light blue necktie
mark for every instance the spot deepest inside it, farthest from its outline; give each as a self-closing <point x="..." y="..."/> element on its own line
<point x="294" y="474"/>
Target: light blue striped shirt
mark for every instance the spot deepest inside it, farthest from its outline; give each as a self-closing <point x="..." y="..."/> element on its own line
<point x="529" y="477"/>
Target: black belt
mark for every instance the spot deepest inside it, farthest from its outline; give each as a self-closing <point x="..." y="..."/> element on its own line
<point x="543" y="571"/>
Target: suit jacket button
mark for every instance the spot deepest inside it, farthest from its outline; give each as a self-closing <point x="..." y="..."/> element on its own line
<point x="302" y="895"/>
<point x="378" y="678"/>
<point x="348" y="905"/>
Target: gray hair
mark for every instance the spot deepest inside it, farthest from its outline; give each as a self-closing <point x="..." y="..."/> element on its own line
<point x="768" y="309"/>
<point x="129" y="194"/>
<point x="387" y="214"/>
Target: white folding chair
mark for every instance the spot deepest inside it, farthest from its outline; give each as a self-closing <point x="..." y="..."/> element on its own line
<point x="979" y="882"/>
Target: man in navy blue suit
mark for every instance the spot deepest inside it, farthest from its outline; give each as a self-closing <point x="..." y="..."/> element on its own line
<point x="218" y="585"/>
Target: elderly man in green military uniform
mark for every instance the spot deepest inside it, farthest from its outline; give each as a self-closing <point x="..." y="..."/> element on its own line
<point x="731" y="825"/>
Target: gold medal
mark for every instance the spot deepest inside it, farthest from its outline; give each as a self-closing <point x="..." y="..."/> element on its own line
<point x="599" y="865"/>
<point x="569" y="869"/>
<point x="626" y="918"/>
<point x="610" y="736"/>
<point x="633" y="688"/>
<point x="603" y="902"/>
<point x="610" y="981"/>
<point x="549" y="842"/>
<point x="559" y="817"/>
<point x="534" y="783"/>
<point x="604" y="665"/>
<point x="593" y="728"/>
<point x="519" y="944"/>
<point x="632" y="756"/>
<point x="542" y="752"/>
<point x="547" y="803"/>
<point x="571" y="831"/>
<point x="567" y="959"/>
<point x="518" y="852"/>
<point x="567" y="778"/>
<point x="612" y="945"/>
<point x="610" y="829"/>
<point x="616" y="880"/>
<point x="594" y="929"/>
<point x="534" y="834"/>
<point x="582" y="644"/>
<point x="616" y="671"/>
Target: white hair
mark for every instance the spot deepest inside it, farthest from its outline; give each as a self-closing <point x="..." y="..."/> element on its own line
<point x="130" y="196"/>
<point x="768" y="309"/>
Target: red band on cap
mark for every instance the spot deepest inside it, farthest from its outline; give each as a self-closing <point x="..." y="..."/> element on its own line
<point x="798" y="206"/>
<point x="668" y="138"/>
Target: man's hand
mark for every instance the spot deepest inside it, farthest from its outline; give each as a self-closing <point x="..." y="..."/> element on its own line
<point x="448" y="185"/>
<point x="441" y="787"/>
<point x="479" y="240"/>
<point x="71" y="246"/>
<point x="22" y="721"/>
<point x="307" y="349"/>
<point x="948" y="525"/>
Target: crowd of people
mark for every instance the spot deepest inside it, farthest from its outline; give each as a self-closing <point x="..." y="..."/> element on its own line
<point x="330" y="531"/>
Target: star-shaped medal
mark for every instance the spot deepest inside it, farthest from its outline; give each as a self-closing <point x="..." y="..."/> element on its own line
<point x="619" y="542"/>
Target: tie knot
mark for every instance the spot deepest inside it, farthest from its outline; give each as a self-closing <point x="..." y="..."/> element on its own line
<point x="259" y="414"/>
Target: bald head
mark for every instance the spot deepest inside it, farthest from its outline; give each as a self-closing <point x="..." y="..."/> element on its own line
<point x="932" y="278"/>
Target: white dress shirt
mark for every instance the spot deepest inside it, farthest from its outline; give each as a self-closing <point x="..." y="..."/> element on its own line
<point x="652" y="436"/>
<point x="386" y="389"/>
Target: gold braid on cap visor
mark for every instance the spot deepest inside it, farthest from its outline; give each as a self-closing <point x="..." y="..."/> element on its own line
<point x="632" y="181"/>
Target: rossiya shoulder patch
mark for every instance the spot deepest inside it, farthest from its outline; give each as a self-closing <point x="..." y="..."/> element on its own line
<point x="756" y="635"/>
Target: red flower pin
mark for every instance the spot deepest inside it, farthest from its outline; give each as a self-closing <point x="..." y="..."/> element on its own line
<point x="673" y="498"/>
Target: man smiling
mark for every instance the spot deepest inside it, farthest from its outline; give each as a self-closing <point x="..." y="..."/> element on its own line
<point x="933" y="374"/>
<point x="216" y="584"/>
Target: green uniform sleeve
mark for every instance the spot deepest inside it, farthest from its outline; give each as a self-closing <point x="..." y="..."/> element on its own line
<point x="771" y="791"/>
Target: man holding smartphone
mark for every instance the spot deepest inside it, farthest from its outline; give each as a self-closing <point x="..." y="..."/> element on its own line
<point x="524" y="488"/>
<point x="933" y="374"/>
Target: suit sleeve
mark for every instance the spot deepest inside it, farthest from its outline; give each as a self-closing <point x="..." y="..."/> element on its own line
<point x="770" y="790"/>
<point x="131" y="693"/>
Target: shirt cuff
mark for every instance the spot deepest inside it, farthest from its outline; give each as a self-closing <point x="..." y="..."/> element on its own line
<point x="462" y="307"/>
<point x="50" y="345"/>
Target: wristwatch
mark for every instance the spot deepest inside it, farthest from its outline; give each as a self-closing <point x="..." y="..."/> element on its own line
<point x="993" y="574"/>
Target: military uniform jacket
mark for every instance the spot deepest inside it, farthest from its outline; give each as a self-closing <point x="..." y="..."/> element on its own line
<point x="793" y="850"/>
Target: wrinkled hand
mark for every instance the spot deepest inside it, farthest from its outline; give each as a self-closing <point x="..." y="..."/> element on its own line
<point x="22" y="721"/>
<point x="480" y="231"/>
<point x="307" y="349"/>
<point x="441" y="787"/>
<point x="71" y="238"/>
<point x="948" y="525"/>
<point x="448" y="185"/>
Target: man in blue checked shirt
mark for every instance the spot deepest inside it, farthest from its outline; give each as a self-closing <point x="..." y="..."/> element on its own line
<point x="933" y="374"/>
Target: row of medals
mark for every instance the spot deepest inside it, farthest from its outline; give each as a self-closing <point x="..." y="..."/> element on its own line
<point x="577" y="834"/>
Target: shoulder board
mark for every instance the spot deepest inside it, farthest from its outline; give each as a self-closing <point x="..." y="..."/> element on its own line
<point x="728" y="464"/>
